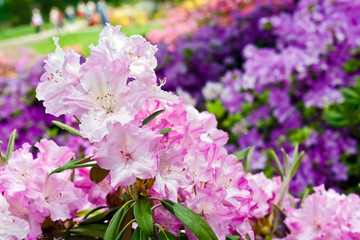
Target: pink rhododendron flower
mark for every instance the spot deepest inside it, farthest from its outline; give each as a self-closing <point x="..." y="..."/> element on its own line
<point x="109" y="87"/>
<point x="32" y="194"/>
<point x="62" y="71"/>
<point x="325" y="215"/>
<point x="96" y="192"/>
<point x="208" y="205"/>
<point x="129" y="153"/>
<point x="171" y="173"/>
<point x="264" y="191"/>
<point x="11" y="227"/>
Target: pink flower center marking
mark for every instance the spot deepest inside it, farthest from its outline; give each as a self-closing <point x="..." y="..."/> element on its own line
<point x="126" y="155"/>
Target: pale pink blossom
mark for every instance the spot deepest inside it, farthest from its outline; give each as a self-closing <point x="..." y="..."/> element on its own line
<point x="32" y="194"/>
<point x="96" y="192"/>
<point x="171" y="173"/>
<point x="325" y="215"/>
<point x="11" y="227"/>
<point x="61" y="72"/>
<point x="264" y="190"/>
<point x="129" y="153"/>
<point x="207" y="204"/>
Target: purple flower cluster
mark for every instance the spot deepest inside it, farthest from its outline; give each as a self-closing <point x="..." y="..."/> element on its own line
<point x="279" y="70"/>
<point x="300" y="77"/>
<point x="208" y="53"/>
<point x="19" y="108"/>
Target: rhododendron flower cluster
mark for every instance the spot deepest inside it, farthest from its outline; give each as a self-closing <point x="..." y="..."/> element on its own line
<point x="325" y="215"/>
<point x="112" y="94"/>
<point x="32" y="195"/>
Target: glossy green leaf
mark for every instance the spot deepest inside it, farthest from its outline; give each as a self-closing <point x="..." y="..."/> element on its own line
<point x="115" y="223"/>
<point x="143" y="216"/>
<point x="193" y="221"/>
<point x="10" y="147"/>
<point x="242" y="154"/>
<point x="76" y="163"/>
<point x="165" y="235"/>
<point x="91" y="230"/>
<point x="94" y="211"/>
<point x="68" y="128"/>
<point x="151" y="117"/>
<point x="248" y="159"/>
<point x="165" y="130"/>
<point x="101" y="217"/>
<point x="232" y="237"/>
<point x="139" y="235"/>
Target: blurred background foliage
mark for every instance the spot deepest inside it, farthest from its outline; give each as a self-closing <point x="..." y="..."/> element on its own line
<point x="13" y="15"/>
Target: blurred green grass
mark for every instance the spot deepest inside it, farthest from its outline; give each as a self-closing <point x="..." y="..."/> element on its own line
<point x="85" y="38"/>
<point x="13" y="32"/>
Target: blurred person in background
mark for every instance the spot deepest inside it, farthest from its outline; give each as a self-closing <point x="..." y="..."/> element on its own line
<point x="102" y="10"/>
<point x="57" y="18"/>
<point x="81" y="9"/>
<point x="91" y="8"/>
<point x="70" y="13"/>
<point x="36" y="20"/>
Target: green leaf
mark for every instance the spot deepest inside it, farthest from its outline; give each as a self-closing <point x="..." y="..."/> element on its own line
<point x="348" y="93"/>
<point x="139" y="235"/>
<point x="10" y="147"/>
<point x="101" y="217"/>
<point x="216" y="108"/>
<point x="93" y="211"/>
<point x="91" y="230"/>
<point x="143" y="216"/>
<point x="125" y="231"/>
<point x="295" y="165"/>
<point x="232" y="237"/>
<point x="77" y="119"/>
<point x="115" y="223"/>
<point x="242" y="154"/>
<point x="272" y="152"/>
<point x="68" y="128"/>
<point x="300" y="135"/>
<point x="165" y="130"/>
<point x="76" y="163"/>
<point x="268" y="237"/>
<point x="268" y="26"/>
<point x="286" y="162"/>
<point x="248" y="160"/>
<point x="333" y="115"/>
<point x="279" y="208"/>
<point x="193" y="221"/>
<point x="165" y="235"/>
<point x="151" y="117"/>
<point x="352" y="65"/>
<point x="126" y="197"/>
